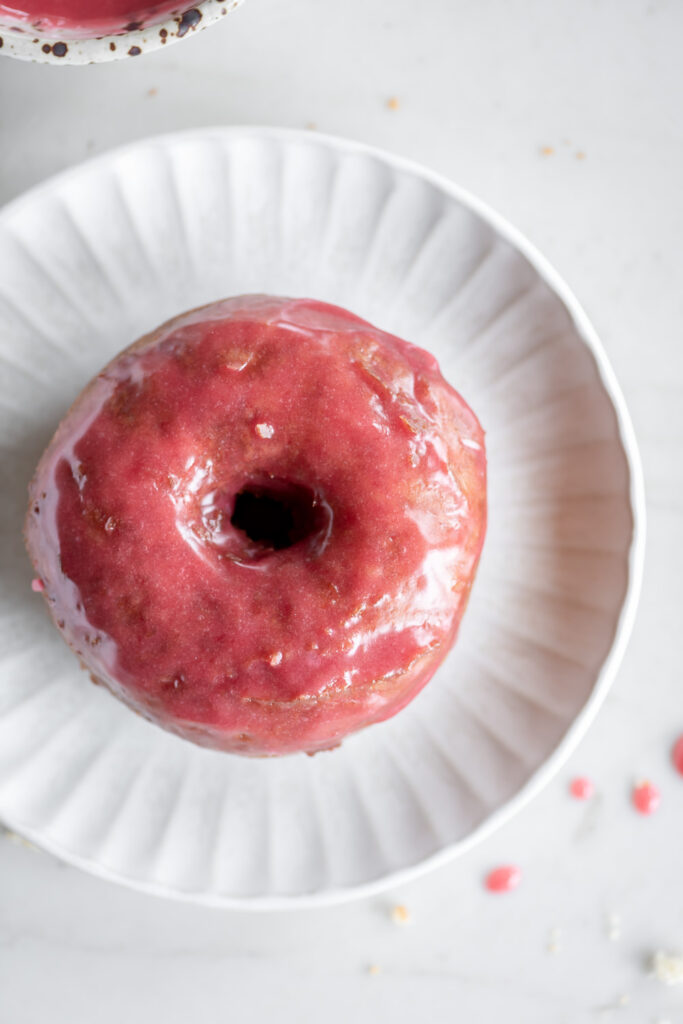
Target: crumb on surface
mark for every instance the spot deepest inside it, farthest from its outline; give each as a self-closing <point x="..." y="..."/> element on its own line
<point x="503" y="879"/>
<point x="393" y="103"/>
<point x="311" y="126"/>
<point x="18" y="840"/>
<point x="677" y="755"/>
<point x="374" y="970"/>
<point x="668" y="967"/>
<point x="580" y="155"/>
<point x="400" y="914"/>
<point x="645" y="797"/>
<point x="581" y="787"/>
<point x="547" y="150"/>
<point x="153" y="91"/>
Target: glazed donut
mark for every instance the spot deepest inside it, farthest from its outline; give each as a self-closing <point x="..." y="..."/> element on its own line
<point x="259" y="525"/>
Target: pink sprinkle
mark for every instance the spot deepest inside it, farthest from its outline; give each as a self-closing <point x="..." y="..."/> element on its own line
<point x="37" y="585"/>
<point x="677" y="755"/>
<point x="582" y="788"/>
<point x="503" y="879"/>
<point x="645" y="797"/>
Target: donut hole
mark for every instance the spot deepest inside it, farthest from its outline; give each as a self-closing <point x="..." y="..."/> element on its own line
<point x="279" y="514"/>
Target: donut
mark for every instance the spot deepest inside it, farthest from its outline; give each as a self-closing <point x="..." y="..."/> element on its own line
<point x="259" y="525"/>
<point x="79" y="18"/>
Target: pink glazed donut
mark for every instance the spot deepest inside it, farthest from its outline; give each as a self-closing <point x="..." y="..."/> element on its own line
<point x="259" y="525"/>
<point x="78" y="18"/>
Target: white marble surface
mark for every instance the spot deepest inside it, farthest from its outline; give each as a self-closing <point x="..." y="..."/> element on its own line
<point x="482" y="88"/>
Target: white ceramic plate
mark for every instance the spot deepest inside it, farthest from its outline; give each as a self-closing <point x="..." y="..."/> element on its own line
<point x="25" y="42"/>
<point x="104" y="253"/>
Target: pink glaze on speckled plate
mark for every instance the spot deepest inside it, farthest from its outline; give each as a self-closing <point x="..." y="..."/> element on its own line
<point x="86" y="32"/>
<point x="259" y="526"/>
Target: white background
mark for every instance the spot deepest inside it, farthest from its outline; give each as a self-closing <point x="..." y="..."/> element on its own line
<point x="483" y="88"/>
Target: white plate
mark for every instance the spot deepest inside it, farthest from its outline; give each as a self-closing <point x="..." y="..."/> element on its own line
<point x="104" y="253"/>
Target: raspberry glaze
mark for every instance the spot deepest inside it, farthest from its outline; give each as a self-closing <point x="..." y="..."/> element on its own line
<point x="259" y="525"/>
<point x="88" y="17"/>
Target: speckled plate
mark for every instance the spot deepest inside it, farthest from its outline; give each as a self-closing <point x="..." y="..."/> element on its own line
<point x="26" y="42"/>
<point x="102" y="254"/>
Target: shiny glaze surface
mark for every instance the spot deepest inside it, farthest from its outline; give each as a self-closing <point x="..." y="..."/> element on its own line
<point x="210" y="634"/>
